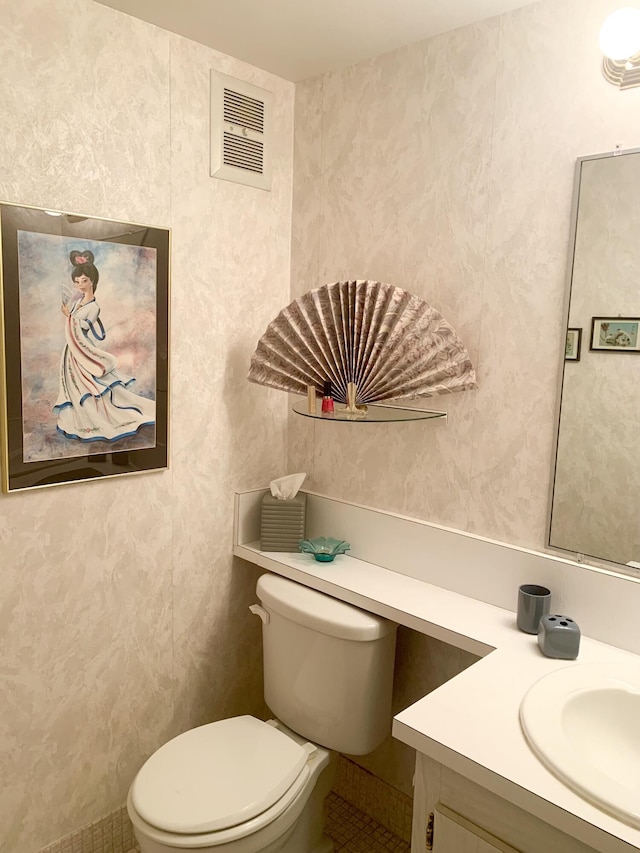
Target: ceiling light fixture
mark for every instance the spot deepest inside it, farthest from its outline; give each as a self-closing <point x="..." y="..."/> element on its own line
<point x="620" y="44"/>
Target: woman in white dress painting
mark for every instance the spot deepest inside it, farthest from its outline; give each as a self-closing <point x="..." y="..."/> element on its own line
<point x="94" y="401"/>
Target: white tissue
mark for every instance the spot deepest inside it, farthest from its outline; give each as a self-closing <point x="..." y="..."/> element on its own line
<point x="286" y="488"/>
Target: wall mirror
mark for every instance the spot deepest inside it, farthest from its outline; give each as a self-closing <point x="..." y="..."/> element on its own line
<point x="595" y="495"/>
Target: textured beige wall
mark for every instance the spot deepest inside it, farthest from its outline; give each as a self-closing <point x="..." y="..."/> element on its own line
<point x="447" y="168"/>
<point x="121" y="621"/>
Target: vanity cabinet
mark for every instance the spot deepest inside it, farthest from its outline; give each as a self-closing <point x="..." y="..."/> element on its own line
<point x="469" y="819"/>
<point x="454" y="834"/>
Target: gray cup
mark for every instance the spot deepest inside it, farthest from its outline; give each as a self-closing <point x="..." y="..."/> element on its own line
<point x="534" y="602"/>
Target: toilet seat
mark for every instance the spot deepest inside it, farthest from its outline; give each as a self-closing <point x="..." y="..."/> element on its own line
<point x="266" y="822"/>
<point x="227" y="779"/>
<point x="255" y="835"/>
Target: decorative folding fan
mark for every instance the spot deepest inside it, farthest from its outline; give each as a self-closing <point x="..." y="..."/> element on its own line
<point x="388" y="342"/>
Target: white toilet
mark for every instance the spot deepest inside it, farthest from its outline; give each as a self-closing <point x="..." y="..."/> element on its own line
<point x="245" y="786"/>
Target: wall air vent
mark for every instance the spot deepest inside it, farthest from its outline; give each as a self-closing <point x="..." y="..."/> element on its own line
<point x="240" y="131"/>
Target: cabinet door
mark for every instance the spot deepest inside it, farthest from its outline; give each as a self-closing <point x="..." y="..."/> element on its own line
<point x="454" y="834"/>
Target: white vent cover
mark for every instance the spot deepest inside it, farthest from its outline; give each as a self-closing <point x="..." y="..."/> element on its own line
<point x="240" y="131"/>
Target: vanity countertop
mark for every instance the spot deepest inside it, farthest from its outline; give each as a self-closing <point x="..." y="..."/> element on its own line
<point x="470" y="723"/>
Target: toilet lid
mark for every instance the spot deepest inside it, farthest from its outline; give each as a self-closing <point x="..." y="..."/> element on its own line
<point x="216" y="776"/>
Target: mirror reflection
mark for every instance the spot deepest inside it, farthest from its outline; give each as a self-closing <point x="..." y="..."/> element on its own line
<point x="595" y="507"/>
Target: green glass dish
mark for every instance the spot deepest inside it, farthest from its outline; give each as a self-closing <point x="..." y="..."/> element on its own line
<point x="324" y="548"/>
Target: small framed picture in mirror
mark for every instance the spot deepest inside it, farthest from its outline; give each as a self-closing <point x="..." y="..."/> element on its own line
<point x="572" y="347"/>
<point x="615" y="334"/>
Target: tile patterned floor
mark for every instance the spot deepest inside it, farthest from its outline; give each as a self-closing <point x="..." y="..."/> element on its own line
<point x="352" y="831"/>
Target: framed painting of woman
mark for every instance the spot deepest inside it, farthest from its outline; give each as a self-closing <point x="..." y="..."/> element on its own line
<point x="84" y="376"/>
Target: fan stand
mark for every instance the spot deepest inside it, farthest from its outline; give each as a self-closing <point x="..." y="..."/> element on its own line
<point x="351" y="407"/>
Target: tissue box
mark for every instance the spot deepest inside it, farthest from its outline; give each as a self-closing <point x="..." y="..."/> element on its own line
<point x="282" y="523"/>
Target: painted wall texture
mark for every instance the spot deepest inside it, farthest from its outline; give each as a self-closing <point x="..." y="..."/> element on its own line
<point x="121" y="620"/>
<point x="447" y="168"/>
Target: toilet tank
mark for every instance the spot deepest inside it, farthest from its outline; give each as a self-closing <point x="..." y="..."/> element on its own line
<point x="328" y="666"/>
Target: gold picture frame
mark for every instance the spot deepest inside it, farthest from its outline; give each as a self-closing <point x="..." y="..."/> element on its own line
<point x="84" y="355"/>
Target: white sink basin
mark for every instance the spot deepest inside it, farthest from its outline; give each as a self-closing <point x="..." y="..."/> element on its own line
<point x="583" y="723"/>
